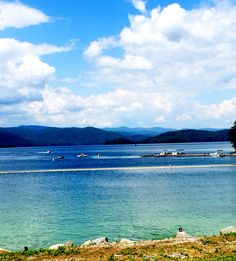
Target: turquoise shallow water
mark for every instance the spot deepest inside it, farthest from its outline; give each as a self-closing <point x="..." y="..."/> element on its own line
<point x="40" y="209"/>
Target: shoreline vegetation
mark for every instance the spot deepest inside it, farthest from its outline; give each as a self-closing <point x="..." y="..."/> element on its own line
<point x="182" y="247"/>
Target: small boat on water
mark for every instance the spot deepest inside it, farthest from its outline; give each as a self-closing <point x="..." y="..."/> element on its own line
<point x="45" y="152"/>
<point x="217" y="154"/>
<point x="82" y="155"/>
<point x="60" y="157"/>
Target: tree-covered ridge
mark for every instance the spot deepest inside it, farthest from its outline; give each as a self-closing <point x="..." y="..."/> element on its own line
<point x="25" y="136"/>
<point x="233" y="135"/>
<point x="190" y="136"/>
<point x="51" y="136"/>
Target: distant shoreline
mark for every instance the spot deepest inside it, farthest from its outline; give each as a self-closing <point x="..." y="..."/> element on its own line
<point x="115" y="168"/>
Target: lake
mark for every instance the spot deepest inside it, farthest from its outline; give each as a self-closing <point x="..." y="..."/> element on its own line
<point x="44" y="208"/>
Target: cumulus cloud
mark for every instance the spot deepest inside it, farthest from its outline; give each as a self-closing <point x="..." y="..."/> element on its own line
<point x="140" y="5"/>
<point x="22" y="72"/>
<point x="184" y="54"/>
<point x="15" y="14"/>
<point x="217" y="114"/>
<point x="96" y="48"/>
<point x="161" y="69"/>
<point x="107" y="109"/>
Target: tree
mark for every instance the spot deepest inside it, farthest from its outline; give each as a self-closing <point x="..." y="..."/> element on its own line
<point x="233" y="135"/>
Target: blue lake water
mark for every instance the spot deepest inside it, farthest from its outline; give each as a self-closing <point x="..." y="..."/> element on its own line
<point x="40" y="209"/>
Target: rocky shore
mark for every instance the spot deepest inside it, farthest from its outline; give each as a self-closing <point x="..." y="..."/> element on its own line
<point x="183" y="246"/>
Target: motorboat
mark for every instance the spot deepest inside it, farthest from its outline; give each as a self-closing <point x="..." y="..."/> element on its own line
<point x="217" y="154"/>
<point x="82" y="155"/>
<point x="60" y="157"/>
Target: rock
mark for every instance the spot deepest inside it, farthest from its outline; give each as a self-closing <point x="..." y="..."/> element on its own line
<point x="3" y="251"/>
<point x="126" y="242"/>
<point x="148" y="258"/>
<point x="69" y="243"/>
<point x="176" y="255"/>
<point x="96" y="242"/>
<point x="228" y="230"/>
<point x="56" y="246"/>
<point x="66" y="244"/>
<point x="88" y="243"/>
<point x="182" y="235"/>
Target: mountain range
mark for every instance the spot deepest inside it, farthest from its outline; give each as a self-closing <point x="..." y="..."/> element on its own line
<point x="24" y="136"/>
<point x="51" y="136"/>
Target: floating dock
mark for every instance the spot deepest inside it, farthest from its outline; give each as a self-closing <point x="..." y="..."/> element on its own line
<point x="159" y="155"/>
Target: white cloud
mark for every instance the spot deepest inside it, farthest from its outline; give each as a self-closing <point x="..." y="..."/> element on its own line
<point x="139" y="5"/>
<point x="171" y="60"/>
<point x="218" y="114"/>
<point x="107" y="109"/>
<point x="181" y="54"/>
<point x="96" y="48"/>
<point x="130" y="62"/>
<point x="22" y="72"/>
<point x="61" y="107"/>
<point x="184" y="117"/>
<point x="15" y="14"/>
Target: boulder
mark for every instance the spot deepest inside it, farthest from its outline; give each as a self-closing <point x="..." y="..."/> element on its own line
<point x="66" y="244"/>
<point x="228" y="230"/>
<point x="182" y="235"/>
<point x="177" y="255"/>
<point x="56" y="246"/>
<point x="126" y="242"/>
<point x="69" y="243"/>
<point x="96" y="242"/>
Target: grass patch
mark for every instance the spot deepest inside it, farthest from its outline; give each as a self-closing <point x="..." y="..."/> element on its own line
<point x="214" y="248"/>
<point x="232" y="234"/>
<point x="128" y="251"/>
<point x="24" y="255"/>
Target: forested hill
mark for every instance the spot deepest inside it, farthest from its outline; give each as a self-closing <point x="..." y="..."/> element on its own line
<point x="25" y="136"/>
<point x="51" y="136"/>
<point x="189" y="136"/>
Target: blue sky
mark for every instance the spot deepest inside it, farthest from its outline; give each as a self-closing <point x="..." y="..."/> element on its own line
<point x="121" y="62"/>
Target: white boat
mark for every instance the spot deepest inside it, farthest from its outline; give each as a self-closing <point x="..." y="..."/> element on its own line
<point x="45" y="152"/>
<point x="60" y="157"/>
<point x="82" y="155"/>
<point x="214" y="154"/>
<point x="217" y="154"/>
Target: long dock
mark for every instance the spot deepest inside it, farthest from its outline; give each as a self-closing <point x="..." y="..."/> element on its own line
<point x="115" y="169"/>
<point x="187" y="155"/>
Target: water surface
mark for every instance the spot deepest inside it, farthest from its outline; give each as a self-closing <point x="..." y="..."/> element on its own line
<point x="40" y="209"/>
